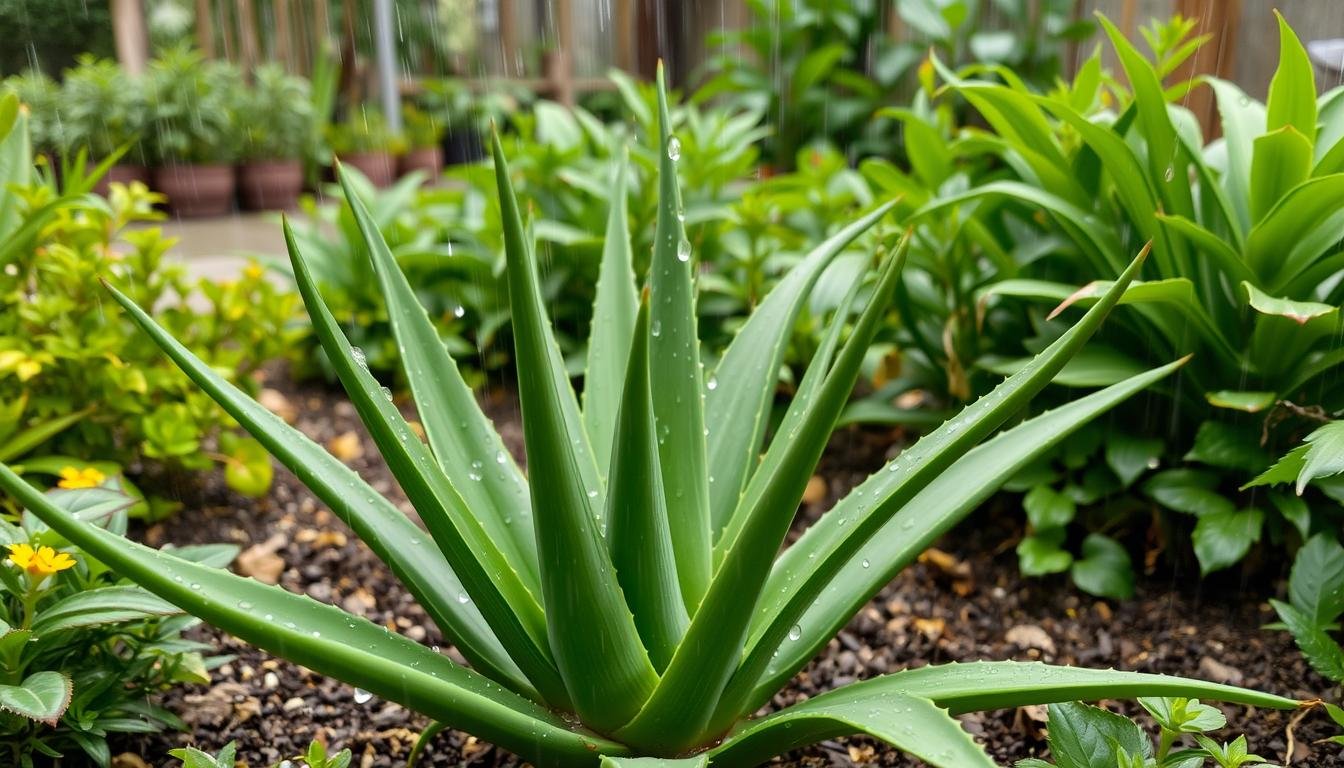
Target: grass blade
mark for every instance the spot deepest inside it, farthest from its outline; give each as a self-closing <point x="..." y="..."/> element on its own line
<point x="465" y="443"/>
<point x="930" y="514"/>
<point x="738" y="406"/>
<point x="641" y="545"/>
<point x="614" y="309"/>
<point x="586" y="615"/>
<point x="390" y="534"/>
<point x="512" y="612"/>
<point x="678" y="387"/>
<point x="327" y="640"/>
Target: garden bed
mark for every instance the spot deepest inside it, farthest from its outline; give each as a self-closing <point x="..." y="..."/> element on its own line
<point x="964" y="602"/>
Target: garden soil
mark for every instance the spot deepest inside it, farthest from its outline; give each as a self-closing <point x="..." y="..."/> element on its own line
<point x="962" y="601"/>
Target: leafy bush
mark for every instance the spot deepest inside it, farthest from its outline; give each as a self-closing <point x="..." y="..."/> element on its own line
<point x="1246" y="261"/>
<point x="82" y="651"/>
<point x="41" y="97"/>
<point x="363" y="130"/>
<point x="315" y="756"/>
<point x="64" y="350"/>
<point x="101" y="108"/>
<point x="274" y="113"/>
<point x="192" y="109"/>
<point x="420" y="128"/>
<point x="1082" y="736"/>
<point x="631" y="578"/>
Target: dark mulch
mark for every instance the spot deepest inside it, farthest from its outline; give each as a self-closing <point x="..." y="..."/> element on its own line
<point x="965" y="602"/>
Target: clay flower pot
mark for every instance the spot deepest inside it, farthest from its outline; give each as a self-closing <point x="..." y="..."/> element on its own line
<point x="379" y="167"/>
<point x="196" y="190"/>
<point x="270" y="185"/>
<point x="427" y="159"/>
<point x="122" y="173"/>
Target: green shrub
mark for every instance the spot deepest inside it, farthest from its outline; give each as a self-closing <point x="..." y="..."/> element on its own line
<point x="274" y="114"/>
<point x="102" y="108"/>
<point x="364" y="130"/>
<point x="83" y="652"/>
<point x="627" y="597"/>
<point x="192" y="108"/>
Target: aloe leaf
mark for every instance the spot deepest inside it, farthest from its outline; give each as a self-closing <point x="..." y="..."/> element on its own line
<point x="982" y="685"/>
<point x="681" y="705"/>
<point x="587" y="618"/>
<point x="465" y="443"/>
<point x="1292" y="91"/>
<point x="614" y="309"/>
<point x="397" y="541"/>
<point x="697" y="761"/>
<point x="738" y="404"/>
<point x="513" y="613"/>
<point x="916" y="467"/>
<point x="913" y="724"/>
<point x="929" y="515"/>
<point x="328" y="641"/>
<point x="678" y="388"/>
<point x="641" y="545"/>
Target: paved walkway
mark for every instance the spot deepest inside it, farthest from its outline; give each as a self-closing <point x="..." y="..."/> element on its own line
<point x="219" y="248"/>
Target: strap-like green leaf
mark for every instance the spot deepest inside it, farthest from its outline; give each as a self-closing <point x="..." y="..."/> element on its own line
<point x="687" y="695"/>
<point x="614" y="308"/>
<point x="738" y="405"/>
<point x="592" y="633"/>
<point x="329" y="641"/>
<point x="42" y="696"/>
<point x="1281" y="161"/>
<point x="641" y="545"/>
<point x="490" y="581"/>
<point x="1292" y="91"/>
<point x="916" y="467"/>
<point x="930" y="514"/>
<point x="912" y="724"/>
<point x="1243" y="119"/>
<point x="678" y="385"/>
<point x="698" y="761"/>
<point x="396" y="540"/>
<point x="465" y="443"/>
<point x="105" y="605"/>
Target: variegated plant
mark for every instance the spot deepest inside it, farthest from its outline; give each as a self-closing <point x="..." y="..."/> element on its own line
<point x="626" y="597"/>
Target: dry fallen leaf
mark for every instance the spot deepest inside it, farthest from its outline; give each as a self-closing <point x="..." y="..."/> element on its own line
<point x="1030" y="636"/>
<point x="815" y="493"/>
<point x="930" y="628"/>
<point x="261" y="562"/>
<point x="346" y="446"/>
<point x="275" y="402"/>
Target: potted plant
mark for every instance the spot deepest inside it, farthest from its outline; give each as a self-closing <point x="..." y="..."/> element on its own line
<point x="422" y="132"/>
<point x="274" y="118"/>
<point x="40" y="97"/>
<point x="104" y="110"/>
<point x="191" y="131"/>
<point x="364" y="141"/>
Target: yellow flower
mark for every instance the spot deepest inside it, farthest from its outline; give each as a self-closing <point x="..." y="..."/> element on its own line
<point x="41" y="562"/>
<point x="253" y="271"/>
<point x="27" y="369"/>
<point x="74" y="477"/>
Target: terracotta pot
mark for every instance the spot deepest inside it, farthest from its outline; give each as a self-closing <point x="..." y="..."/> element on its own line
<point x="427" y="159"/>
<point x="122" y="173"/>
<point x="196" y="190"/>
<point x="380" y="167"/>
<point x="270" y="185"/>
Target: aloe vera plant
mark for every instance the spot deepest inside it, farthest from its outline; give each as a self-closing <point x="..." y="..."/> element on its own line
<point x="624" y="599"/>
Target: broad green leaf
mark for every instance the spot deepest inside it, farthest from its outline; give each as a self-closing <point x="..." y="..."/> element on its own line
<point x="104" y="605"/>
<point x="911" y="724"/>
<point x="1048" y="508"/>
<point x="1324" y="654"/>
<point x="1297" y="214"/>
<point x="586" y="614"/>
<point x="737" y="407"/>
<point x="1087" y="737"/>
<point x="1184" y="715"/>
<point x="1292" y="91"/>
<point x="929" y="154"/>
<point x="247" y="468"/>
<point x="512" y="612"/>
<point x="614" y="308"/>
<point x="1285" y="470"/>
<point x="1104" y="568"/>
<point x="328" y="641"/>
<point x="464" y="442"/>
<point x="20" y="444"/>
<point x="698" y="761"/>
<point x="684" y="701"/>
<point x="678" y="384"/>
<point x="1316" y="587"/>
<point x="815" y="66"/>
<point x="1129" y="456"/>
<point x="1228" y="446"/>
<point x="1249" y="402"/>
<point x="42" y="696"/>
<point x="1040" y="553"/>
<point x="641" y="545"/>
<point x="1206" y="243"/>
<point x="1222" y="538"/>
<point x="1183" y="490"/>
<point x="1281" y="162"/>
<point x="1243" y="119"/>
<point x="824" y="552"/>
<point x="1094" y="366"/>
<point x="1325" y="454"/>
<point x="392" y="536"/>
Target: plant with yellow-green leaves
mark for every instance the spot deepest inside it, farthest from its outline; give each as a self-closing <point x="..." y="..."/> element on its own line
<point x="626" y="598"/>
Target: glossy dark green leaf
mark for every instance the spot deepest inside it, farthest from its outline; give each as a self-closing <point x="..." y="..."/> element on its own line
<point x="1222" y="538"/>
<point x="1103" y="568"/>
